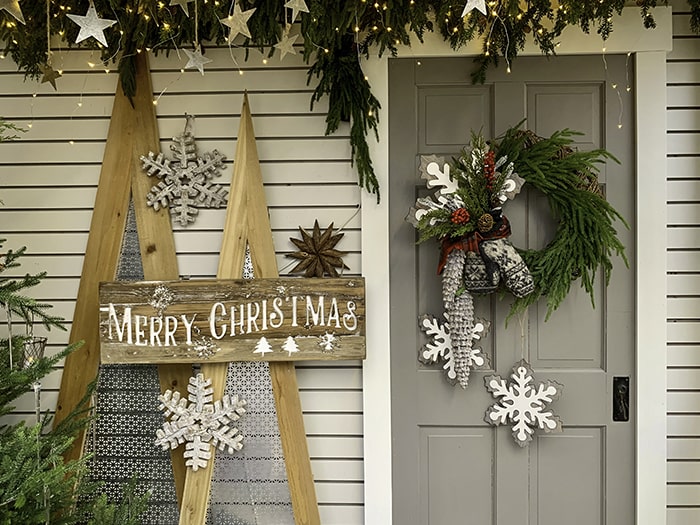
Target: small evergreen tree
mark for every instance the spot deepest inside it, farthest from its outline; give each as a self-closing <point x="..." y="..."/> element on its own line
<point x="36" y="485"/>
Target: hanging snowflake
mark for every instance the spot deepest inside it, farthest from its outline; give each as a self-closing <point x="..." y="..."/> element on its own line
<point x="440" y="347"/>
<point x="187" y="182"/>
<point x="522" y="403"/>
<point x="200" y="423"/>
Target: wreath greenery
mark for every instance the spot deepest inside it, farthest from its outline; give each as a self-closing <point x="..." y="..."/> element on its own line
<point x="472" y="190"/>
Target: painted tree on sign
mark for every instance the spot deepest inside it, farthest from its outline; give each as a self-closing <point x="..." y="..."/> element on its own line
<point x="290" y="346"/>
<point x="262" y="347"/>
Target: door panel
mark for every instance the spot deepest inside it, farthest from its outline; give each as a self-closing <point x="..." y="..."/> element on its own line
<point x="466" y="453"/>
<point x="449" y="466"/>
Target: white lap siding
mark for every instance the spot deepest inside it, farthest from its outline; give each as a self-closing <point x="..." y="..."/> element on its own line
<point x="683" y="349"/>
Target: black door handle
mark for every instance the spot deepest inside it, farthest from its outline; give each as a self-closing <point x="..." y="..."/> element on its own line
<point x="621" y="398"/>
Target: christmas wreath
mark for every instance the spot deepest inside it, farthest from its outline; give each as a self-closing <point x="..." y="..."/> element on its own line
<point x="466" y="216"/>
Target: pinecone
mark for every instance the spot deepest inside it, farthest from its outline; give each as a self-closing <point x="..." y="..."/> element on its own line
<point x="460" y="216"/>
<point x="485" y="223"/>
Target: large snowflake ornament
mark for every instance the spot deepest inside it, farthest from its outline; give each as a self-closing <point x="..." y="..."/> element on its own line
<point x="187" y="182"/>
<point x="199" y="423"/>
<point x="436" y="172"/>
<point x="523" y="403"/>
<point x="440" y="347"/>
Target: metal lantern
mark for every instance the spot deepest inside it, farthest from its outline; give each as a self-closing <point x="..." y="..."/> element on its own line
<point x="33" y="350"/>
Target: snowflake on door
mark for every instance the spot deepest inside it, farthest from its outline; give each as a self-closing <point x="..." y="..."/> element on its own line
<point x="187" y="182"/>
<point x="199" y="423"/>
<point x="440" y="348"/>
<point x="522" y="403"/>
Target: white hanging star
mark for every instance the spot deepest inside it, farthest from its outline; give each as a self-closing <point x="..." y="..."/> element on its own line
<point x="238" y="22"/>
<point x="183" y="4"/>
<point x="474" y="4"/>
<point x="12" y="7"/>
<point x="286" y="45"/>
<point x="92" y="26"/>
<point x="196" y="59"/>
<point x="296" y="6"/>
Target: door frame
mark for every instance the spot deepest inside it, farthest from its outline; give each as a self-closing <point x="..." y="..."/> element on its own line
<point x="649" y="48"/>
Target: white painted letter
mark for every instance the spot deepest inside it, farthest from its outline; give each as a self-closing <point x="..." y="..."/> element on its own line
<point x="188" y="327"/>
<point x="350" y="319"/>
<point x="212" y="320"/>
<point x="333" y="313"/>
<point x="126" y="321"/>
<point x="140" y="321"/>
<point x="294" y="311"/>
<point x="170" y="330"/>
<point x="155" y="332"/>
<point x="316" y="315"/>
<point x="240" y="320"/>
<point x="253" y="319"/>
<point x="276" y="303"/>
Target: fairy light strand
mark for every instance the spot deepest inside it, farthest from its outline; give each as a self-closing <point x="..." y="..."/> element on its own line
<point x="615" y="87"/>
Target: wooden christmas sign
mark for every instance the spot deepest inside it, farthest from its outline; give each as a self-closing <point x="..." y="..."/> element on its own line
<point x="227" y="320"/>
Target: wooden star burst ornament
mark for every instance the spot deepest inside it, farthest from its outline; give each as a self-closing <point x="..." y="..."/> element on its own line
<point x="317" y="254"/>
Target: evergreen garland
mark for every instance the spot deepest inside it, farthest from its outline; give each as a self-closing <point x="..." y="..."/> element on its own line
<point x="154" y="25"/>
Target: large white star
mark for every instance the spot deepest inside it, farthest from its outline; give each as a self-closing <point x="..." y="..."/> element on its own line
<point x="196" y="59"/>
<point x="286" y="45"/>
<point x="238" y="22"/>
<point x="91" y="25"/>
<point x="296" y="6"/>
<point x="183" y="4"/>
<point x="474" y="4"/>
<point x="12" y="7"/>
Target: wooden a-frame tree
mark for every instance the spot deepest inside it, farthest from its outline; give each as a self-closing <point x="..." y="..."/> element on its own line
<point x="132" y="132"/>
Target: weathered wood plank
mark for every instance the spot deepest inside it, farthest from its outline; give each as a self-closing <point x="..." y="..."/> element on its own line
<point x="100" y="263"/>
<point x="248" y="225"/>
<point x="219" y="321"/>
<point x="156" y="241"/>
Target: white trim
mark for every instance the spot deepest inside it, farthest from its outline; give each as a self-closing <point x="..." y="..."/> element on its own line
<point x="650" y="85"/>
<point x="650" y="48"/>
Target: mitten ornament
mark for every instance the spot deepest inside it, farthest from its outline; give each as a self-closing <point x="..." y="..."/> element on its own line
<point x="515" y="273"/>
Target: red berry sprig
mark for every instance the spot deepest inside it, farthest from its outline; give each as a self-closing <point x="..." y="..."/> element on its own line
<point x="489" y="169"/>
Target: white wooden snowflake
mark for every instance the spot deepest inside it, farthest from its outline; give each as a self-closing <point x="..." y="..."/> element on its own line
<point x="440" y="346"/>
<point x="199" y="423"/>
<point x="327" y="342"/>
<point x="436" y="172"/>
<point x="187" y="182"/>
<point x="522" y="403"/>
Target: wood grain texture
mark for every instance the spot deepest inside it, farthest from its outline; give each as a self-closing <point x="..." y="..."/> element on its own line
<point x="100" y="263"/>
<point x="247" y="224"/>
<point x="156" y="240"/>
<point x="324" y="317"/>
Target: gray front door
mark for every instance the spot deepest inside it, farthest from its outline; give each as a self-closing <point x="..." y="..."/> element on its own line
<point x="449" y="466"/>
